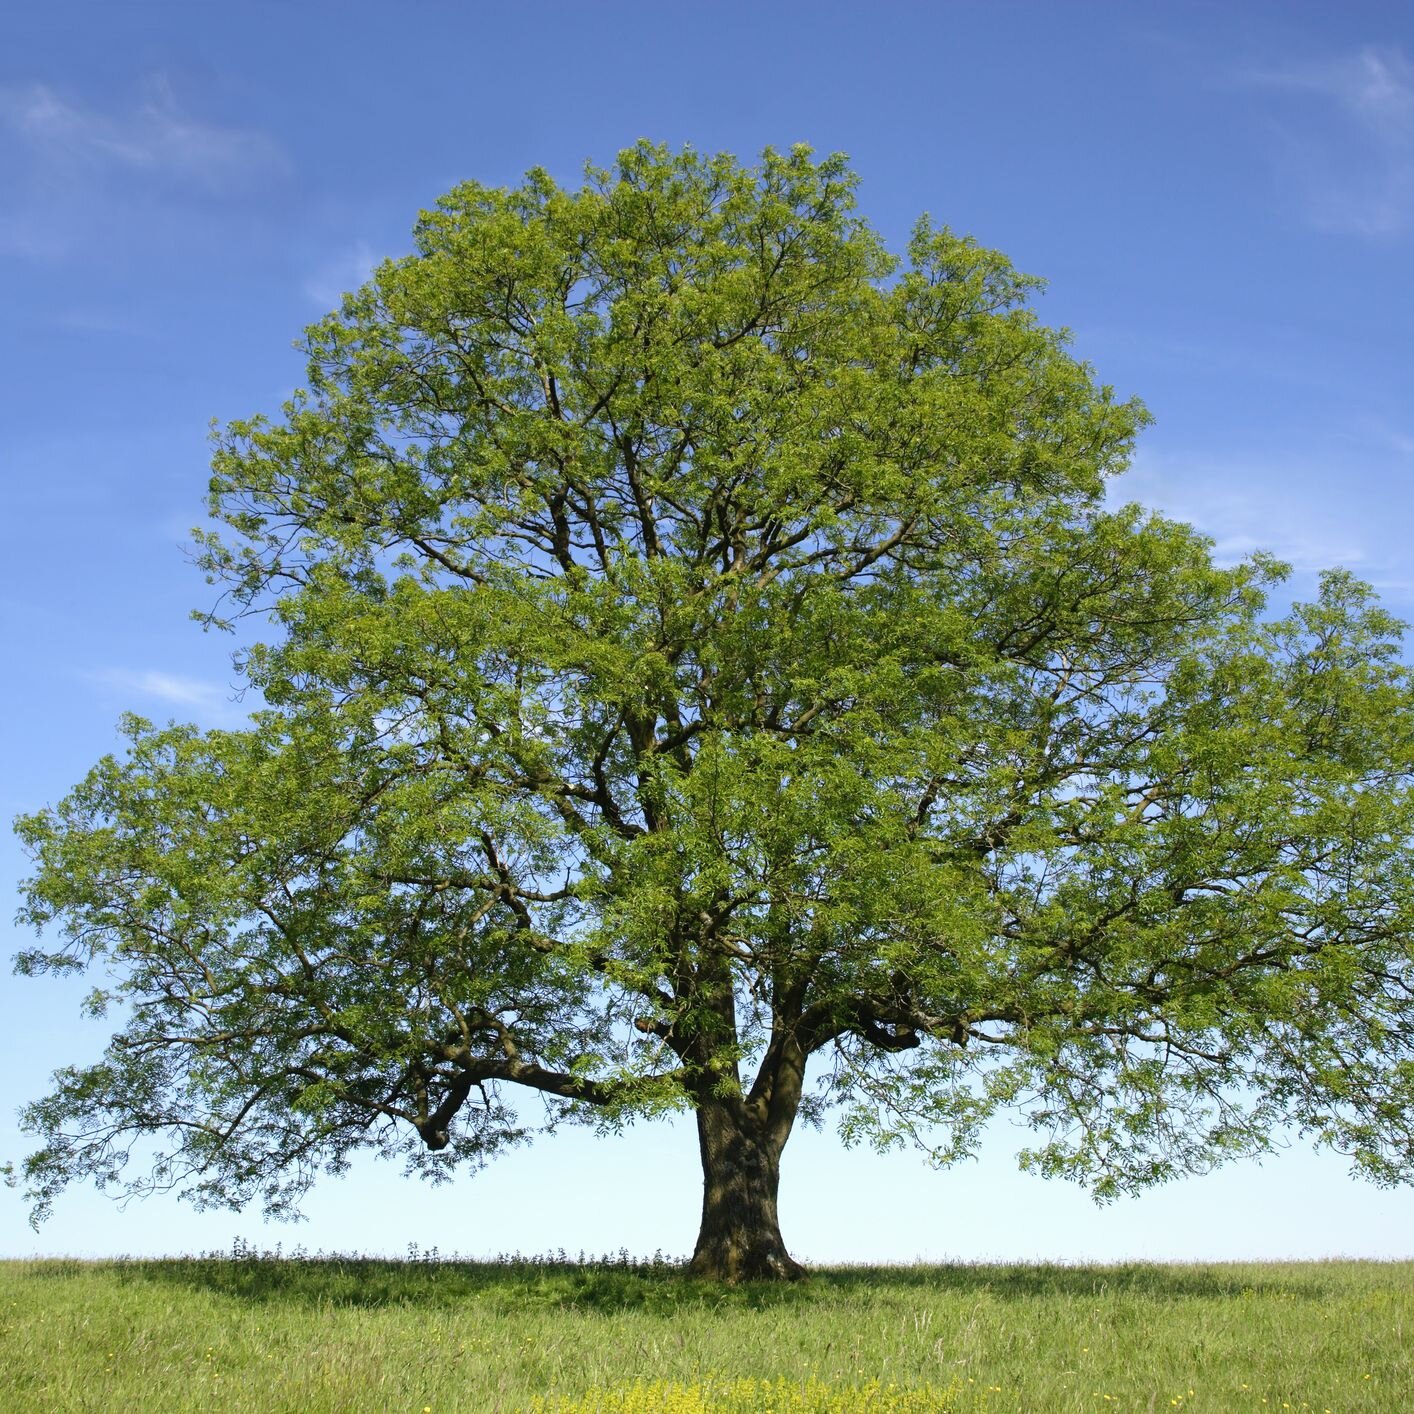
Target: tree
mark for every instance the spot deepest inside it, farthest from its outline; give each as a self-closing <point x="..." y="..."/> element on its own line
<point x="700" y="645"/>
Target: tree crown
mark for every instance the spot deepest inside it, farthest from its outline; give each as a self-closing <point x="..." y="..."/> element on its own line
<point x="701" y="642"/>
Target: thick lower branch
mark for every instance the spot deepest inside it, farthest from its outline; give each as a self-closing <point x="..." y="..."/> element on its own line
<point x="889" y="1025"/>
<point x="434" y="1128"/>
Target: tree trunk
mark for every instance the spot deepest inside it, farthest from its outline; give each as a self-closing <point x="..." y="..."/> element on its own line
<point x="740" y="1238"/>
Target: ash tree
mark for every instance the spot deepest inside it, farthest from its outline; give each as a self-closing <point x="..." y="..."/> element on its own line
<point x="701" y="658"/>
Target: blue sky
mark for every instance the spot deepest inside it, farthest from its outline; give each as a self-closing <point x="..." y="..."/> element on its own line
<point x="1222" y="197"/>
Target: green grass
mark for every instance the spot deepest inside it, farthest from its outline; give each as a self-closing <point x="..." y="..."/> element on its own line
<point x="343" y="1333"/>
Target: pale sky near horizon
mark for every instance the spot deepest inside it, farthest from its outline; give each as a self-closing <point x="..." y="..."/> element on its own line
<point x="1221" y="196"/>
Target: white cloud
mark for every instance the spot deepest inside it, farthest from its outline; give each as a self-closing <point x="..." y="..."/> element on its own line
<point x="1245" y="509"/>
<point x="340" y="274"/>
<point x="1356" y="175"/>
<point x="75" y="173"/>
<point x="156" y="137"/>
<point x="1313" y="515"/>
<point x="211" y="699"/>
<point x="1376" y="86"/>
<point x="96" y="321"/>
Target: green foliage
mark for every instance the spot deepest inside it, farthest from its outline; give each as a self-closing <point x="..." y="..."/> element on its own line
<point x="700" y="642"/>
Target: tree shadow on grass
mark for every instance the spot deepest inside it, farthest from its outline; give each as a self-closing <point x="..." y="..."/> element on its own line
<point x="663" y="1288"/>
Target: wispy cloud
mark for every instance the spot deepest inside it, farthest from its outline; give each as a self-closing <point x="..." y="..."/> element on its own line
<point x="1314" y="516"/>
<point x="1356" y="174"/>
<point x="155" y="137"/>
<point x="342" y="272"/>
<point x="1245" y="509"/>
<point x="75" y="168"/>
<point x="96" y="321"/>
<point x="214" y="700"/>
<point x="1401" y="442"/>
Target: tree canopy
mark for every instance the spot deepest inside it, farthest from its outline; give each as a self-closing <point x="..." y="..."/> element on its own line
<point x="700" y="650"/>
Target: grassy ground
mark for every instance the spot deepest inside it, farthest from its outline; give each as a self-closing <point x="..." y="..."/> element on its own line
<point x="351" y="1334"/>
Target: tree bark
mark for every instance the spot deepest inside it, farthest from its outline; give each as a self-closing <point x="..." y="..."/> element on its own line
<point x="740" y="1238"/>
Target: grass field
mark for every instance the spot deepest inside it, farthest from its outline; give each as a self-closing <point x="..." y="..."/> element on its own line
<point x="342" y="1333"/>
